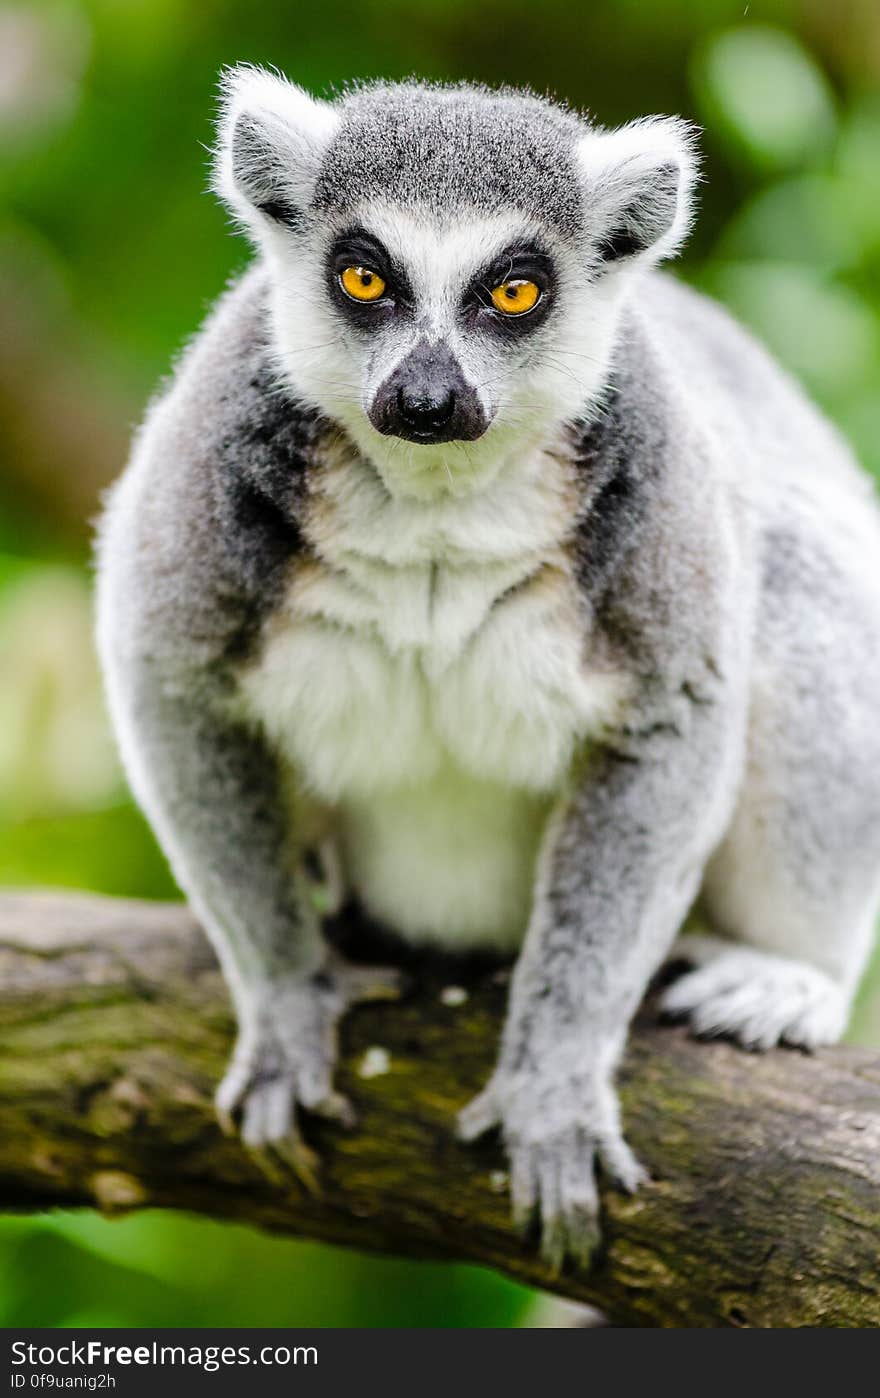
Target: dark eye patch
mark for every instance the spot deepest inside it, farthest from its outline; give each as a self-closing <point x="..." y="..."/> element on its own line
<point x="358" y="248"/>
<point x="522" y="261"/>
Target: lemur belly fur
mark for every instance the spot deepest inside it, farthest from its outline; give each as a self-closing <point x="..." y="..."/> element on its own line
<point x="372" y="679"/>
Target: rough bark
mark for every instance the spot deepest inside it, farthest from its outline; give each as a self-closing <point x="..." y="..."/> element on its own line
<point x="114" y="1026"/>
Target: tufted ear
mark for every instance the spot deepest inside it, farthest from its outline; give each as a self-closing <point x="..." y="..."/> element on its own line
<point x="271" y="138"/>
<point x="638" y="187"/>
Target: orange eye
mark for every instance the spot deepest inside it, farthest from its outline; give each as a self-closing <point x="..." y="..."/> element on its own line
<point x="362" y="284"/>
<point x="516" y="297"/>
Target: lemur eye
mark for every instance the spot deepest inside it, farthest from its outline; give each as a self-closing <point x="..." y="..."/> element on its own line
<point x="516" y="297"/>
<point x="361" y="284"/>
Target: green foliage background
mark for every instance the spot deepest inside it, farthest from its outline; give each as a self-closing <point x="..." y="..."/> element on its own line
<point x="110" y="251"/>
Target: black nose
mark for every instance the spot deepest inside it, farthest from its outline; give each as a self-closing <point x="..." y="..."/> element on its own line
<point x="425" y="414"/>
<point x="427" y="399"/>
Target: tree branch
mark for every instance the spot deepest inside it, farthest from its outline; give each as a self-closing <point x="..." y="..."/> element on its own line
<point x="115" y="1027"/>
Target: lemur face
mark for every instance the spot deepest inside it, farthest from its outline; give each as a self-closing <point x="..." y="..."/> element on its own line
<point x="446" y="264"/>
<point x="439" y="320"/>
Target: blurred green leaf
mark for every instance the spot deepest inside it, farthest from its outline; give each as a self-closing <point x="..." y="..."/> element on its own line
<point x="55" y="748"/>
<point x="762" y="89"/>
<point x="858" y="162"/>
<point x="110" y="851"/>
<point x="859" y="416"/>
<point x="164" y="1269"/>
<point x="812" y="218"/>
<point x="826" y="333"/>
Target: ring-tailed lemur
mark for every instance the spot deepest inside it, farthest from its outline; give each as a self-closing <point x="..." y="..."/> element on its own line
<point x="467" y="544"/>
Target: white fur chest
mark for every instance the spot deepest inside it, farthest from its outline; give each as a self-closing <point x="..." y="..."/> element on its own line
<point x="427" y="675"/>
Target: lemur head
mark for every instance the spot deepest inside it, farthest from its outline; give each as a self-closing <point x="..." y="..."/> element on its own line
<point x="446" y="263"/>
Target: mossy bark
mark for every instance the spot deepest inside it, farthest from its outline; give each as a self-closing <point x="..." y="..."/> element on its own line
<point x="114" y="1027"/>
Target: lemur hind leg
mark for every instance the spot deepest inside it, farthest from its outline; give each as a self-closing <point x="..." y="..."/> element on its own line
<point x="794" y="889"/>
<point x="756" y="997"/>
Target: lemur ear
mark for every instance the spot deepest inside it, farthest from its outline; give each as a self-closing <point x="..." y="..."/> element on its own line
<point x="271" y="138"/>
<point x="638" y="186"/>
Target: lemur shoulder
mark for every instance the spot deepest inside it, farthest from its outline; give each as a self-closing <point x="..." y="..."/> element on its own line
<point x="517" y="578"/>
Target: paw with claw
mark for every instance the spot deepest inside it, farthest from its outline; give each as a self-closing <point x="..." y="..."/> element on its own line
<point x="285" y="1058"/>
<point x="556" y="1131"/>
<point x="758" y="999"/>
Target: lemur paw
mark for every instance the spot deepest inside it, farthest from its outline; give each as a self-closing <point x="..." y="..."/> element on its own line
<point x="756" y="998"/>
<point x="555" y="1135"/>
<point x="284" y="1059"/>
<point x="265" y="1101"/>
